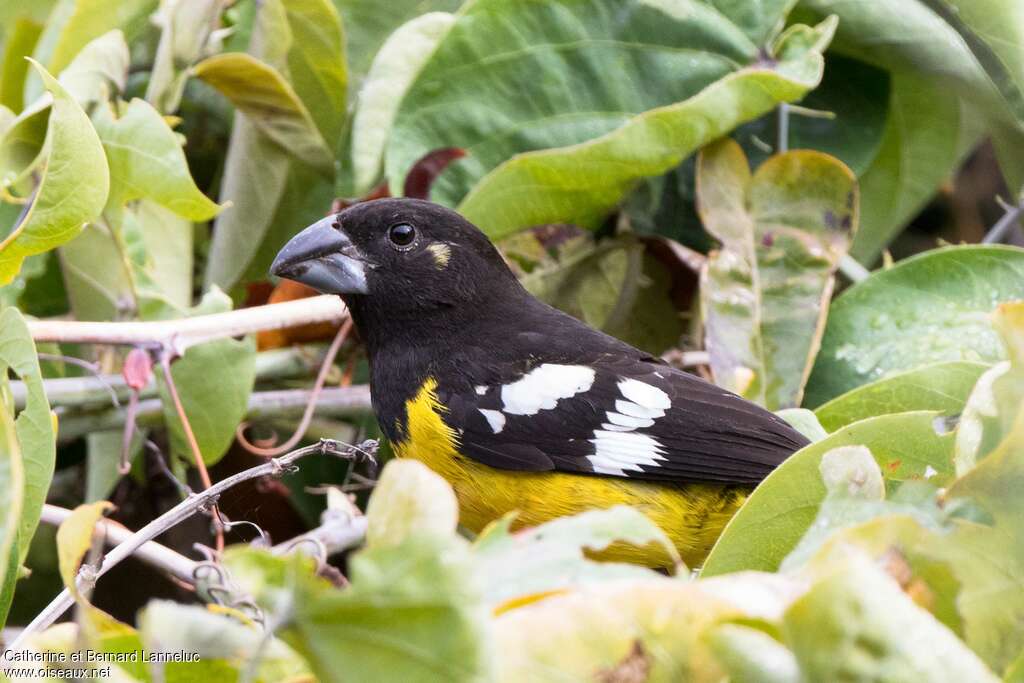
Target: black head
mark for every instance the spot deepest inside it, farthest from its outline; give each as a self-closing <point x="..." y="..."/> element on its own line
<point x="396" y="256"/>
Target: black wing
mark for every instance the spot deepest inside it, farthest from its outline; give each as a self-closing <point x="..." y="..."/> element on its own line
<point x="624" y="417"/>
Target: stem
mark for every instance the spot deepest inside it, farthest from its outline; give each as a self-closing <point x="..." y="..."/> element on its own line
<point x="1004" y="225"/>
<point x="193" y="445"/>
<point x="782" y="144"/>
<point x="173" y="517"/>
<point x="179" y="335"/>
<point x="852" y="269"/>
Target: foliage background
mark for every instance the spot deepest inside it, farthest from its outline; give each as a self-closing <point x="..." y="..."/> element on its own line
<point x="692" y="176"/>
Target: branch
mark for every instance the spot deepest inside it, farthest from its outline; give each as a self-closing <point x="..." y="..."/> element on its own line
<point x="179" y="335"/>
<point x="283" y="403"/>
<point x="171" y="518"/>
<point x="95" y="391"/>
<point x="852" y="269"/>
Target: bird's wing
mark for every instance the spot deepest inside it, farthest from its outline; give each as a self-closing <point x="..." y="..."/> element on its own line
<point x="625" y="418"/>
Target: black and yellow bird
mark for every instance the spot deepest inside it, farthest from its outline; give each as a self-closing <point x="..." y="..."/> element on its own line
<point x="518" y="405"/>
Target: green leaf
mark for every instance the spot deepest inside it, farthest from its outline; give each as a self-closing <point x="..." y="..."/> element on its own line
<point x="536" y="562"/>
<point x="368" y="23"/>
<point x="942" y="387"/>
<point x="316" y="63"/>
<point x="412" y="613"/>
<point x="804" y="421"/>
<point x="927" y="309"/>
<point x="262" y="93"/>
<point x="764" y="294"/>
<point x="35" y="426"/>
<point x="408" y="502"/>
<point x="394" y="69"/>
<point x="74" y="539"/>
<point x="186" y="26"/>
<point x="12" y="488"/>
<point x="72" y="190"/>
<point x="75" y="23"/>
<point x="612" y="285"/>
<point x="972" y="47"/>
<point x="214" y="381"/>
<point x="782" y="508"/>
<point x="749" y="654"/>
<point x="857" y="624"/>
<point x="99" y="71"/>
<point x="18" y="43"/>
<point x="146" y="161"/>
<point x="224" y="645"/>
<point x="927" y="133"/>
<point x="579" y="146"/>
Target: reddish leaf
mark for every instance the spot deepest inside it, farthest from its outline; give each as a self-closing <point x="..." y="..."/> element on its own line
<point x="425" y="171"/>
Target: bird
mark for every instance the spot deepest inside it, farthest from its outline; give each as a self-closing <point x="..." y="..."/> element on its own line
<point x="519" y="406"/>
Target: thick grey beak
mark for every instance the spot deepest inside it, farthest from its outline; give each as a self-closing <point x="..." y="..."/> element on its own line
<point x="323" y="257"/>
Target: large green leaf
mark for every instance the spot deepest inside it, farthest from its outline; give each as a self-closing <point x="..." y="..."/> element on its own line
<point x="20" y="39"/>
<point x="35" y="426"/>
<point x="369" y="22"/>
<point x="394" y="69"/>
<point x="72" y="189"/>
<point x="931" y="308"/>
<point x="146" y="161"/>
<point x="12" y="488"/>
<point x="942" y="387"/>
<point x="764" y="294"/>
<point x="927" y="133"/>
<point x="75" y="23"/>
<point x="605" y="134"/>
<point x="784" y="505"/>
<point x="214" y="381"/>
<point x="971" y="46"/>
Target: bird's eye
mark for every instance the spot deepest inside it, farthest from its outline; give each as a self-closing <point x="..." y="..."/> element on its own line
<point x="401" y="234"/>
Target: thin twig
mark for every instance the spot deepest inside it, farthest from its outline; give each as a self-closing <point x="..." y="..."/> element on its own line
<point x="179" y="335"/>
<point x="90" y="367"/>
<point x="175" y="516"/>
<point x="678" y="358"/>
<point x="307" y="415"/>
<point x="1004" y="225"/>
<point x="193" y="445"/>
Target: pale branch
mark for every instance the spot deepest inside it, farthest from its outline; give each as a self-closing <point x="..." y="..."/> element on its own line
<point x="340" y="529"/>
<point x="678" y="358"/>
<point x="95" y="391"/>
<point x="283" y="403"/>
<point x="173" y="517"/>
<point x="179" y="335"/>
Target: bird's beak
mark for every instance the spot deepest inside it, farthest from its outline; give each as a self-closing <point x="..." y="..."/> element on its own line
<point x="323" y="257"/>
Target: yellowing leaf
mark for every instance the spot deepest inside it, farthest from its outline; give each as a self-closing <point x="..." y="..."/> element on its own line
<point x="262" y="93"/>
<point x="409" y="501"/>
<point x="764" y="293"/>
<point x="74" y="539"/>
<point x="72" y="189"/>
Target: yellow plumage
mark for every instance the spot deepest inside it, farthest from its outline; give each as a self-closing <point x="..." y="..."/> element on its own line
<point x="692" y="515"/>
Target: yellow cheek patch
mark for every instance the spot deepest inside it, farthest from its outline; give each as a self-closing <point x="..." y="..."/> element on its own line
<point x="441" y="252"/>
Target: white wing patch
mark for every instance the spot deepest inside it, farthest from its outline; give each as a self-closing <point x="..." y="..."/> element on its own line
<point x="617" y="447"/>
<point x="615" y="452"/>
<point x="495" y="418"/>
<point x="544" y="386"/>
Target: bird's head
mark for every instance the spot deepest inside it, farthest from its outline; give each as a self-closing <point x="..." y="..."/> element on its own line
<point x="395" y="255"/>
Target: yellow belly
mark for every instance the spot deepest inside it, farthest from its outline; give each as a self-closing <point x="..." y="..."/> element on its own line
<point x="692" y="515"/>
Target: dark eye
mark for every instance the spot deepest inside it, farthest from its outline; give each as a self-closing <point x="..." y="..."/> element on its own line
<point x="401" y="234"/>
